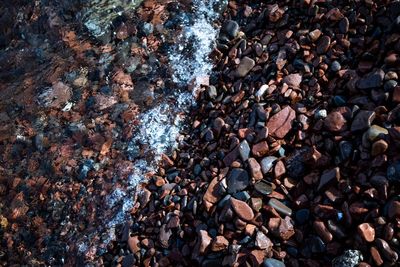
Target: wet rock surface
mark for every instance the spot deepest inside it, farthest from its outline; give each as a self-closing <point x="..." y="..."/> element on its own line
<point x="289" y="158"/>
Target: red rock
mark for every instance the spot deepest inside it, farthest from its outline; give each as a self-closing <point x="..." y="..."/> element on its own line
<point x="323" y="44"/>
<point x="242" y="209"/>
<point x="322" y="231"/>
<point x="212" y="195"/>
<point x="279" y="169"/>
<point x="219" y="243"/>
<point x="334" y="14"/>
<point x="281" y="123"/>
<point x="366" y="231"/>
<point x="376" y="256"/>
<point x="260" y="149"/>
<point x="255" y="169"/>
<point x="133" y="244"/>
<point x="282" y="228"/>
<point x="357" y="208"/>
<point x="335" y="122"/>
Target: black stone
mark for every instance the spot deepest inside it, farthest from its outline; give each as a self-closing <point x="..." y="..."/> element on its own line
<point x="237" y="180"/>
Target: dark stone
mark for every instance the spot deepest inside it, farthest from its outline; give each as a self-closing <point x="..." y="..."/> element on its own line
<point x="371" y="80"/>
<point x="316" y="244"/>
<point x="237" y="180"/>
<point x="393" y="172"/>
<point x="302" y="216"/>
<point x="85" y="168"/>
<point x="230" y="28"/>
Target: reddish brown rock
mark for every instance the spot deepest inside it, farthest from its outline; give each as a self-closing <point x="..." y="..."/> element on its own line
<point x="260" y="149"/>
<point x="279" y="169"/>
<point x="242" y="209"/>
<point x="335" y="122"/>
<point x="322" y="231"/>
<point x="281" y="123"/>
<point x="212" y="195"/>
<point x="255" y="169"/>
<point x="293" y="80"/>
<point x="133" y="243"/>
<point x="366" y="231"/>
<point x="376" y="256"/>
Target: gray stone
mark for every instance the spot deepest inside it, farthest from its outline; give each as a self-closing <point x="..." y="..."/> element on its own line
<point x="280" y="207"/>
<point x="237" y="180"/>
<point x="244" y="150"/>
<point x="263" y="188"/>
<point x="245" y="65"/>
<point x="273" y="263"/>
<point x="267" y="163"/>
<point x="328" y="177"/>
<point x="350" y="258"/>
<point x="230" y="28"/>
<point x="335" y="67"/>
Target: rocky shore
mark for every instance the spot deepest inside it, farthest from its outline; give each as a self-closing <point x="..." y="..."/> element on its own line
<point x="290" y="156"/>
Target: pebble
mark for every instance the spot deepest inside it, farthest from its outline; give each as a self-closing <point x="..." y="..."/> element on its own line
<point x="379" y="147"/>
<point x="147" y="28"/>
<point x="281" y="123"/>
<point x="263" y="188"/>
<point x="335" y="122"/>
<point x="255" y="169"/>
<point x="323" y="44"/>
<point x="314" y="35"/>
<point x="273" y="263"/>
<point x="244" y="150"/>
<point x="366" y="231"/>
<point x="293" y="80"/>
<point x="204" y="241"/>
<point x="362" y="120"/>
<point x="396" y="94"/>
<point x="263" y="242"/>
<point x="344" y="25"/>
<point x="267" y="163"/>
<point x="322" y="231"/>
<point x="230" y="28"/>
<point x="328" y="177"/>
<point x="376" y="256"/>
<point x="387" y="252"/>
<point x="219" y="243"/>
<point x="390" y="85"/>
<point x="280" y="207"/>
<point x="374" y="131"/>
<point x="335" y="67"/>
<point x="350" y="258"/>
<point x="260" y="149"/>
<point x="242" y="209"/>
<point x="244" y="67"/>
<point x="237" y="180"/>
<point x="302" y="216"/>
<point x="371" y="80"/>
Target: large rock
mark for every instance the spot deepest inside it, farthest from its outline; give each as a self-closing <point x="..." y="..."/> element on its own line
<point x="281" y="123"/>
<point x="242" y="209"/>
<point x="371" y="80"/>
<point x="244" y="67"/>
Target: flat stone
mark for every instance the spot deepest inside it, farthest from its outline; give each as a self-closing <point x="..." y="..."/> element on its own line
<point x="362" y="120"/>
<point x="255" y="169"/>
<point x="293" y="80"/>
<point x="260" y="149"/>
<point x="376" y="256"/>
<point x="242" y="209"/>
<point x="371" y="80"/>
<point x="244" y="67"/>
<point x="366" y="231"/>
<point x="267" y="163"/>
<point x="323" y="44"/>
<point x="273" y="263"/>
<point x="280" y="207"/>
<point x="237" y="180"/>
<point x="374" y="131"/>
<point x="244" y="150"/>
<point x="328" y="177"/>
<point x="263" y="188"/>
<point x="281" y="123"/>
<point x="335" y="122"/>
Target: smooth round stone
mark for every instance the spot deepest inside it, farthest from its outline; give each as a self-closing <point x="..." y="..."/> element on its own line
<point x="339" y="100"/>
<point x="273" y="263"/>
<point x="302" y="216"/>
<point x="263" y="188"/>
<point x="335" y="67"/>
<point x="230" y="28"/>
